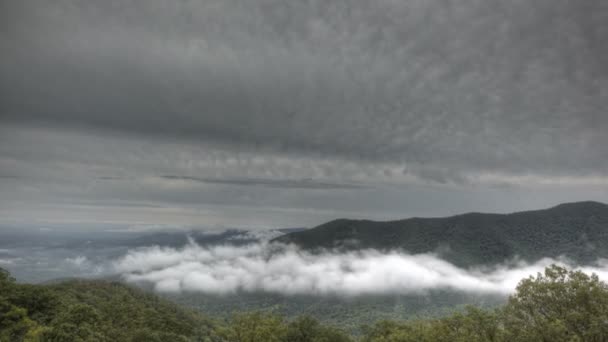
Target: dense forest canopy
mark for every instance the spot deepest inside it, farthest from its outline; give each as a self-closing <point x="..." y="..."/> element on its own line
<point x="558" y="305"/>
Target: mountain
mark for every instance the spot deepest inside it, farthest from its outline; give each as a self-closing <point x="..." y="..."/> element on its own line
<point x="575" y="230"/>
<point x="94" y="310"/>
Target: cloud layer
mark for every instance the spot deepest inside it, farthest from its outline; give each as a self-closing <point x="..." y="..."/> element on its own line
<point x="267" y="112"/>
<point x="287" y="270"/>
<point x="436" y="84"/>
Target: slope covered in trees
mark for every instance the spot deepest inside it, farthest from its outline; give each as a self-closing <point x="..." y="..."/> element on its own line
<point x="575" y="230"/>
<point x="559" y="305"/>
<point x="347" y="313"/>
<point x="92" y="310"/>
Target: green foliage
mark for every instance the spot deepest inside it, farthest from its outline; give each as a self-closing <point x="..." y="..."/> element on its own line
<point x="262" y="326"/>
<point x="308" y="329"/>
<point x="255" y="326"/>
<point x="14" y="322"/>
<point x="348" y="313"/>
<point x="6" y="281"/>
<point x="473" y="325"/>
<point x="558" y="306"/>
<point x="93" y="311"/>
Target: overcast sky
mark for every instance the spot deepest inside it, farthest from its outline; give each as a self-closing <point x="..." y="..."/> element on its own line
<point x="274" y="113"/>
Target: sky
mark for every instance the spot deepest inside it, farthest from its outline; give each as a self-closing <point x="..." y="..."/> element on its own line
<point x="256" y="114"/>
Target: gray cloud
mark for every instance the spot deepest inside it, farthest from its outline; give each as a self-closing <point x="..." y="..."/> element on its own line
<point x="80" y="178"/>
<point x="415" y="107"/>
<point x="271" y="183"/>
<point x="479" y="85"/>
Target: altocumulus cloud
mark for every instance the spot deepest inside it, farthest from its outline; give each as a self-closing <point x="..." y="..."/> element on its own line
<point x="289" y="270"/>
<point x="251" y="113"/>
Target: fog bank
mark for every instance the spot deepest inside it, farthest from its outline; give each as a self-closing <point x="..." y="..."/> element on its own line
<point x="289" y="270"/>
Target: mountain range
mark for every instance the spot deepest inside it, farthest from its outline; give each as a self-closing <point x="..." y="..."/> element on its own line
<point x="577" y="231"/>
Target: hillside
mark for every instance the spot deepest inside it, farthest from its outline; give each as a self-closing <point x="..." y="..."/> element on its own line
<point x="108" y="311"/>
<point x="576" y="230"/>
<point x="559" y="305"/>
<point x="94" y="310"/>
<point x="348" y="313"/>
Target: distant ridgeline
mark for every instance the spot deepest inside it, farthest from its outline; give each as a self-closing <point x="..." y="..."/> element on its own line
<point x="578" y="231"/>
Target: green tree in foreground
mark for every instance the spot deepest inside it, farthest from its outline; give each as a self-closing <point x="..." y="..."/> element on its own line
<point x="560" y="305"/>
<point x="557" y="306"/>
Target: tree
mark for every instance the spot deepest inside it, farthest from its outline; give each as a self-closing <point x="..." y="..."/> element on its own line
<point x="6" y="280"/>
<point x="559" y="305"/>
<point x="14" y="322"/>
<point x="308" y="329"/>
<point x="391" y="331"/>
<point x="472" y="325"/>
<point x="79" y="322"/>
<point x="255" y="326"/>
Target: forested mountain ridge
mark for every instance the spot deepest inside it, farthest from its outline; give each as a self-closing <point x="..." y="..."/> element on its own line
<point x="578" y="231"/>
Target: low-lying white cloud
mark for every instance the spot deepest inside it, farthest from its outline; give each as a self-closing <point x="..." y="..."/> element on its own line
<point x="77" y="261"/>
<point x="289" y="270"/>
